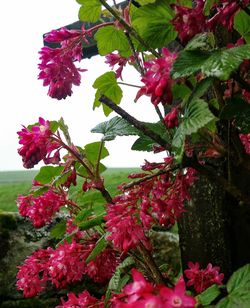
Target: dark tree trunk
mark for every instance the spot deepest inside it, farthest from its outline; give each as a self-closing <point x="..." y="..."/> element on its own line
<point x="216" y="227"/>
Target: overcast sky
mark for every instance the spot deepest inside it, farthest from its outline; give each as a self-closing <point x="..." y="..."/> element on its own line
<point x="24" y="99"/>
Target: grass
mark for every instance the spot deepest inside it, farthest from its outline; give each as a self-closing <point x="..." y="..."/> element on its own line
<point x="13" y="183"/>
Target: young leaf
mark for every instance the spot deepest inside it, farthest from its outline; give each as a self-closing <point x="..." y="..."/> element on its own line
<point x="109" y="39"/>
<point x="93" y="222"/>
<point x="107" y="85"/>
<point x="92" y="152"/>
<point x="152" y="22"/>
<point x="209" y="295"/>
<point x="90" y="10"/>
<point x="100" y="245"/>
<point x="116" y="126"/>
<point x="48" y="173"/>
<point x="82" y="215"/>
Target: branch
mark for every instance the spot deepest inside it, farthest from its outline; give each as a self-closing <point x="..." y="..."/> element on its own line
<point x="129" y="29"/>
<point x="139" y="125"/>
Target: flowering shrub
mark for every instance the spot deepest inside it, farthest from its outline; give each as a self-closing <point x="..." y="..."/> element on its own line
<point x="197" y="79"/>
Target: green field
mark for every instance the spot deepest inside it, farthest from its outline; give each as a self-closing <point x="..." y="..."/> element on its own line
<point x="13" y="183"/>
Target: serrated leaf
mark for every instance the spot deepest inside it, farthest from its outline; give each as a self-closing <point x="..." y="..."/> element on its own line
<point x="100" y="245"/>
<point x="53" y="125"/>
<point x="116" y="126"/>
<point x="219" y="63"/>
<point x="110" y="38"/>
<point x="238" y="287"/>
<point x="58" y="230"/>
<point x="48" y="173"/>
<point x="92" y="152"/>
<point x="82" y="215"/>
<point x="152" y="22"/>
<point x="180" y="91"/>
<point x="90" y="10"/>
<point x="197" y="115"/>
<point x="88" y="224"/>
<point x="107" y="85"/>
<point x="201" y="88"/>
<point x="242" y="24"/>
<point x="203" y="41"/>
<point x="209" y="295"/>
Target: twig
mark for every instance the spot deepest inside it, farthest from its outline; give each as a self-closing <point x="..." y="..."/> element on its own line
<point x="129" y="29"/>
<point x="129" y="84"/>
<point x="139" y="125"/>
<point x="140" y="68"/>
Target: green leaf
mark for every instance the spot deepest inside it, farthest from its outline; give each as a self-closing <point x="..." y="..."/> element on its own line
<point x="238" y="288"/>
<point x="82" y="215"/>
<point x="39" y="191"/>
<point x="53" y="125"/>
<point x="180" y="91"/>
<point x="197" y="115"/>
<point x="240" y="280"/>
<point x="152" y="22"/>
<point x="93" y="222"/>
<point x="242" y="24"/>
<point x="116" y="126"/>
<point x="145" y="143"/>
<point x="107" y="85"/>
<point x="114" y="282"/>
<point x="90" y="10"/>
<point x="100" y="245"/>
<point x="92" y="152"/>
<point x="110" y="38"/>
<point x="48" y="173"/>
<point x="209" y="295"/>
<point x="201" y="88"/>
<point x="58" y="230"/>
<point x="203" y="41"/>
<point x="208" y="5"/>
<point x="144" y="2"/>
<point x="219" y="63"/>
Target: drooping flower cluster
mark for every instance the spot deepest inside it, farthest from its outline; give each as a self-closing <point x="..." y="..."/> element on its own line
<point x="202" y="279"/>
<point x="141" y="293"/>
<point x="116" y="59"/>
<point x="157" y="80"/>
<point x="171" y="119"/>
<point x="40" y="209"/>
<point x="158" y="199"/>
<point x="37" y="145"/>
<point x="189" y="21"/>
<point x="57" y="68"/>
<point x="245" y="139"/>
<point x="64" y="265"/>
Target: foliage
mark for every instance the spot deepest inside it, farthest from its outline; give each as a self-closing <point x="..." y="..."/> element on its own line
<point x="197" y="79"/>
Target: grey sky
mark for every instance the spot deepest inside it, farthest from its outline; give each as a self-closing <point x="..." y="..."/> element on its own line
<point x="24" y="99"/>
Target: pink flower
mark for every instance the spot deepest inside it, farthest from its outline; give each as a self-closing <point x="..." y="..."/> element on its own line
<point x="112" y="59"/>
<point x="57" y="68"/>
<point x="157" y="80"/>
<point x="41" y="209"/>
<point x="245" y="139"/>
<point x="177" y="297"/>
<point x="37" y="144"/>
<point x="171" y="119"/>
<point x="83" y="300"/>
<point x="189" y="21"/>
<point x="202" y="279"/>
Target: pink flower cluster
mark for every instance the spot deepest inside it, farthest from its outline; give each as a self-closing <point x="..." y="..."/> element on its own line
<point x="64" y="265"/>
<point x="83" y="300"/>
<point x="190" y="21"/>
<point x="202" y="279"/>
<point x="114" y="58"/>
<point x="57" y="68"/>
<point x="245" y="139"/>
<point x="37" y="145"/>
<point x="40" y="209"/>
<point x="171" y="119"/>
<point x="141" y="293"/>
<point x="157" y="80"/>
<point x="158" y="200"/>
